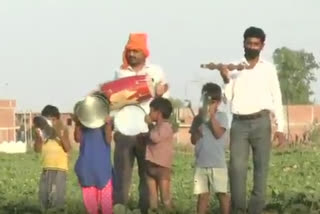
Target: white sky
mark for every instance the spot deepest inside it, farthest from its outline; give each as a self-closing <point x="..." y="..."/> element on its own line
<point x="56" y="51"/>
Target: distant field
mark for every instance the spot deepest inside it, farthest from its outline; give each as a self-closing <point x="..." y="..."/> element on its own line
<point x="293" y="187"/>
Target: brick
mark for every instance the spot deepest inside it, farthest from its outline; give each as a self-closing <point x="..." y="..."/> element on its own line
<point x="7" y="103"/>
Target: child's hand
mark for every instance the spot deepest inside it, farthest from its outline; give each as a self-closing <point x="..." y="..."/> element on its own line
<point x="109" y="120"/>
<point x="60" y="133"/>
<point x="213" y="108"/>
<point x="75" y="119"/>
<point x="58" y="128"/>
<point x="147" y="119"/>
<point x="108" y="129"/>
<point x="39" y="134"/>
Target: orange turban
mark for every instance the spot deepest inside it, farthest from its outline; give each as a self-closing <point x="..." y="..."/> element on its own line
<point x="137" y="41"/>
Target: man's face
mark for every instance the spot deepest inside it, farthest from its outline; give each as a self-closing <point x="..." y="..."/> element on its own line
<point x="252" y="47"/>
<point x="135" y="57"/>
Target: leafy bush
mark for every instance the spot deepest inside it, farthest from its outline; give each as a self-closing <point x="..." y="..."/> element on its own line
<point x="293" y="184"/>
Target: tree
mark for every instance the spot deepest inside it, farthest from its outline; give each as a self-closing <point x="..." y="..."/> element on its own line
<point x="296" y="73"/>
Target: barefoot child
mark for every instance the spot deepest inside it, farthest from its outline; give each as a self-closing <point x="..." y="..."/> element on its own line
<point x="159" y="153"/>
<point x="93" y="167"/>
<point x="52" y="141"/>
<point x="211" y="174"/>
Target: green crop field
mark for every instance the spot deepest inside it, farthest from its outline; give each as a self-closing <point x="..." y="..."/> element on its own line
<point x="293" y="186"/>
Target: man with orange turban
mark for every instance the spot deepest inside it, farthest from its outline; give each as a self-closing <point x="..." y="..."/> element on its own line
<point x="127" y="148"/>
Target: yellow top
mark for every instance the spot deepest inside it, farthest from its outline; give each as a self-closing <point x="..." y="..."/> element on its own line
<point x="53" y="155"/>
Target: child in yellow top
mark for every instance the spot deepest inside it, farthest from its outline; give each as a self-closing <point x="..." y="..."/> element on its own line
<point x="52" y="141"/>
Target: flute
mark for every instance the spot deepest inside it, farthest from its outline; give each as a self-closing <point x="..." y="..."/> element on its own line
<point x="230" y="67"/>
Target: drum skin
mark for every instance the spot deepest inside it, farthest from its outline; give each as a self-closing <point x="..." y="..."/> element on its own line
<point x="129" y="120"/>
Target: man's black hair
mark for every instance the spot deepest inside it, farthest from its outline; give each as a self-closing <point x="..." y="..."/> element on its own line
<point x="254" y="32"/>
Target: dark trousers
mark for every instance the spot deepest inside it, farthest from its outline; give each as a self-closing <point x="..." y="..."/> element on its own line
<point x="254" y="134"/>
<point x="127" y="148"/>
<point x="52" y="189"/>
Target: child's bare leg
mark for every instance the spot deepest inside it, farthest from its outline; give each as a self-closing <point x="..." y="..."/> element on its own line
<point x="224" y="200"/>
<point x="153" y="193"/>
<point x="165" y="191"/>
<point x="203" y="202"/>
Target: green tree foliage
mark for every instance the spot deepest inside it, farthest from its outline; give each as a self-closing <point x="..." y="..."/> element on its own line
<point x="296" y="73"/>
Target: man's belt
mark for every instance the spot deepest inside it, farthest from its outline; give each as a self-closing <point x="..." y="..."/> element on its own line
<point x="251" y="116"/>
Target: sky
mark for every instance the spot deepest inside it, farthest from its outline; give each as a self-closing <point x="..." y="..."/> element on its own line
<point x="57" y="51"/>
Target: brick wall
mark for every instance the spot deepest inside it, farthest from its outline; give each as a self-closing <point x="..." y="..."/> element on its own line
<point x="7" y="120"/>
<point x="301" y="119"/>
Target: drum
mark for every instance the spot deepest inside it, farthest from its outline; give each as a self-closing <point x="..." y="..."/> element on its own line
<point x="128" y="90"/>
<point x="129" y="120"/>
